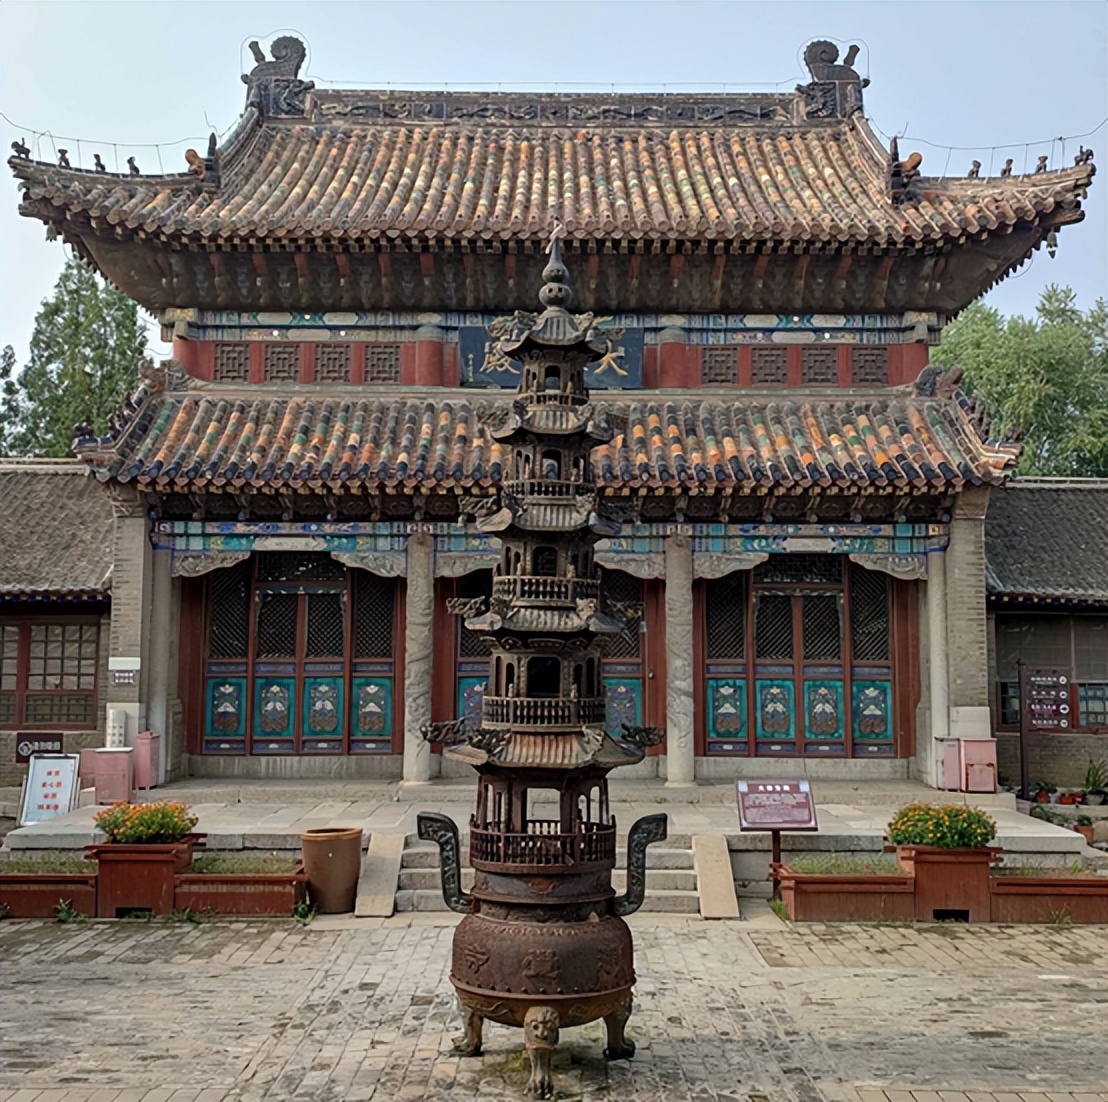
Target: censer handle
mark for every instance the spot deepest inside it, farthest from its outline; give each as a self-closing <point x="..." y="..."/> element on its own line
<point x="443" y="831"/>
<point x="650" y="828"/>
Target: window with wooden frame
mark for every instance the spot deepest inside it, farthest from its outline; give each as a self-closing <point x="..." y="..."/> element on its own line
<point x="1076" y="642"/>
<point x="48" y="673"/>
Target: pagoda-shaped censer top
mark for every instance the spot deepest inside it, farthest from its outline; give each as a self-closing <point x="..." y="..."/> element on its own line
<point x="543" y="943"/>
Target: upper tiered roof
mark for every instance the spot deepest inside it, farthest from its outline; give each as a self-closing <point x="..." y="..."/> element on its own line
<point x="345" y="171"/>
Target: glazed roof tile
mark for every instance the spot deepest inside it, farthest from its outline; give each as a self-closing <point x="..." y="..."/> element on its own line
<point x="56" y="536"/>
<point x="338" y="176"/>
<point x="1072" y="564"/>
<point x="758" y="442"/>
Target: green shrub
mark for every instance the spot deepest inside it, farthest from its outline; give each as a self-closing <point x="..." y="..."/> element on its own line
<point x="152" y="824"/>
<point x="948" y="826"/>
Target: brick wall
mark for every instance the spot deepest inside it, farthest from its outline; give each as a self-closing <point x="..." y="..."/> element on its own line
<point x="1056" y="759"/>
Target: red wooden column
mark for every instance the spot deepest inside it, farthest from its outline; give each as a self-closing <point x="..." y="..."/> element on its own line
<point x="428" y="365"/>
<point x="671" y="357"/>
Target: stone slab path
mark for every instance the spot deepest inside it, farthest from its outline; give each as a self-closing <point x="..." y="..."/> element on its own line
<point x="353" y="1010"/>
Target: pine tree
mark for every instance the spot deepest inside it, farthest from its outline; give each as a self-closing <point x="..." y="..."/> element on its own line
<point x="1046" y="375"/>
<point x="87" y="344"/>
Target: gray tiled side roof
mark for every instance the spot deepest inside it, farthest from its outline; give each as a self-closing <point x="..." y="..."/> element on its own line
<point x="1048" y="537"/>
<point x="55" y="529"/>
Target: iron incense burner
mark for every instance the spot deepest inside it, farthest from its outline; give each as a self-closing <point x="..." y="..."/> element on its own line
<point x="543" y="944"/>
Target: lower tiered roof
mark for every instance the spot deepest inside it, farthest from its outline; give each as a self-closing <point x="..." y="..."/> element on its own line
<point x="441" y="441"/>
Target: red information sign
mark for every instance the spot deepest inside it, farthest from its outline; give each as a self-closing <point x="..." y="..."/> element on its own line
<point x="776" y="805"/>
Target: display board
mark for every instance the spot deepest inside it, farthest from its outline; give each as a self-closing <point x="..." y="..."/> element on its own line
<point x="776" y="805"/>
<point x="50" y="788"/>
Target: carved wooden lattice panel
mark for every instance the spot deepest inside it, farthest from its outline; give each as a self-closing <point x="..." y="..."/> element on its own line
<point x="622" y="597"/>
<point x="869" y="615"/>
<point x="769" y="366"/>
<point x="275" y="636"/>
<point x="373" y="615"/>
<point x="282" y="363"/>
<point x="720" y="366"/>
<point x="326" y="626"/>
<point x="726" y="620"/>
<point x="292" y="566"/>
<point x="232" y="362"/>
<point x="819" y="366"/>
<point x="229" y="593"/>
<point x="773" y="627"/>
<point x="382" y="363"/>
<point x="869" y="365"/>
<point x="822" y="628"/>
<point x="800" y="568"/>
<point x="332" y="363"/>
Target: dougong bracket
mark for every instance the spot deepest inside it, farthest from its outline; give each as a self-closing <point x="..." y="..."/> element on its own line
<point x="443" y="831"/>
<point x="647" y="830"/>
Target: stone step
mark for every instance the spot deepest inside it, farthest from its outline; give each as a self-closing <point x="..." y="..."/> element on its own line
<point x="660" y="900"/>
<point x="427" y="857"/>
<point x="423" y="879"/>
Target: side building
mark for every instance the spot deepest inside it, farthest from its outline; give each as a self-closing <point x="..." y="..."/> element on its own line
<point x="802" y="498"/>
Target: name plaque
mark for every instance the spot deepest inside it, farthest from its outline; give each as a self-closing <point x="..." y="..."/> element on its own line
<point x="776" y="805"/>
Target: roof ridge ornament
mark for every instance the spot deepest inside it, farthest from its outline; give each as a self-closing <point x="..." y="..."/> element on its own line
<point x="274" y="86"/>
<point x="835" y="90"/>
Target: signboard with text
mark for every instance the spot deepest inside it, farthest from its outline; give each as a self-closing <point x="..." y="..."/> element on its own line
<point x="776" y="805"/>
<point x="50" y="788"/>
<point x="37" y="743"/>
<point x="1045" y="698"/>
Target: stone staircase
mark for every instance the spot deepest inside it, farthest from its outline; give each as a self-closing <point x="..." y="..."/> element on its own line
<point x="671" y="885"/>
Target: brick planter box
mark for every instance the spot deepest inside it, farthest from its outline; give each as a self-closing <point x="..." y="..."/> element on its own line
<point x="850" y="897"/>
<point x="1049" y="899"/>
<point x="949" y="883"/>
<point x="256" y="894"/>
<point x="139" y="877"/>
<point x="36" y="894"/>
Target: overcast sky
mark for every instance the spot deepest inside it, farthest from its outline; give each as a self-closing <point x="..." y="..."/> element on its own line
<point x="120" y="76"/>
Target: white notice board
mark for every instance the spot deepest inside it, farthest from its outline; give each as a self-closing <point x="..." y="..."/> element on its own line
<point x="50" y="788"/>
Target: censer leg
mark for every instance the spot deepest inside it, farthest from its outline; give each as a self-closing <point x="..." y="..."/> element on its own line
<point x="469" y="1043"/>
<point x="540" y="1035"/>
<point x="619" y="1046"/>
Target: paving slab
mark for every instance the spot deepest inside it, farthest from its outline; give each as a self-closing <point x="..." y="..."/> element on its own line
<point x="749" y="1011"/>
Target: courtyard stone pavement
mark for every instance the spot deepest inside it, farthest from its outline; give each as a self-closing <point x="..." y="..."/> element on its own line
<point x="348" y="1010"/>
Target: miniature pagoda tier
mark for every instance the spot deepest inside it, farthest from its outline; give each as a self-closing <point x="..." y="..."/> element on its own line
<point x="543" y="944"/>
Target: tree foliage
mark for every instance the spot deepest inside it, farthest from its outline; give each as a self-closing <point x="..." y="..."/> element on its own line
<point x="1046" y="376"/>
<point x="87" y="344"/>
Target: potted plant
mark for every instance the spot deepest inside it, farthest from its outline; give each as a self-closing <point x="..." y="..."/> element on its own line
<point x="145" y="846"/>
<point x="946" y="848"/>
<point x="1096" y="782"/>
<point x="1083" y="824"/>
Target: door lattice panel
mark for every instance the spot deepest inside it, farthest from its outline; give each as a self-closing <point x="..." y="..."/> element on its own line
<point x="799" y="569"/>
<point x="230" y="596"/>
<point x="869" y="615"/>
<point x="822" y="627"/>
<point x="326" y="628"/>
<point x="726" y="617"/>
<point x="291" y="566"/>
<point x="276" y="631"/>
<point x="373" y="615"/>
<point x="773" y="627"/>
<point x="623" y="598"/>
<point x="478" y="584"/>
